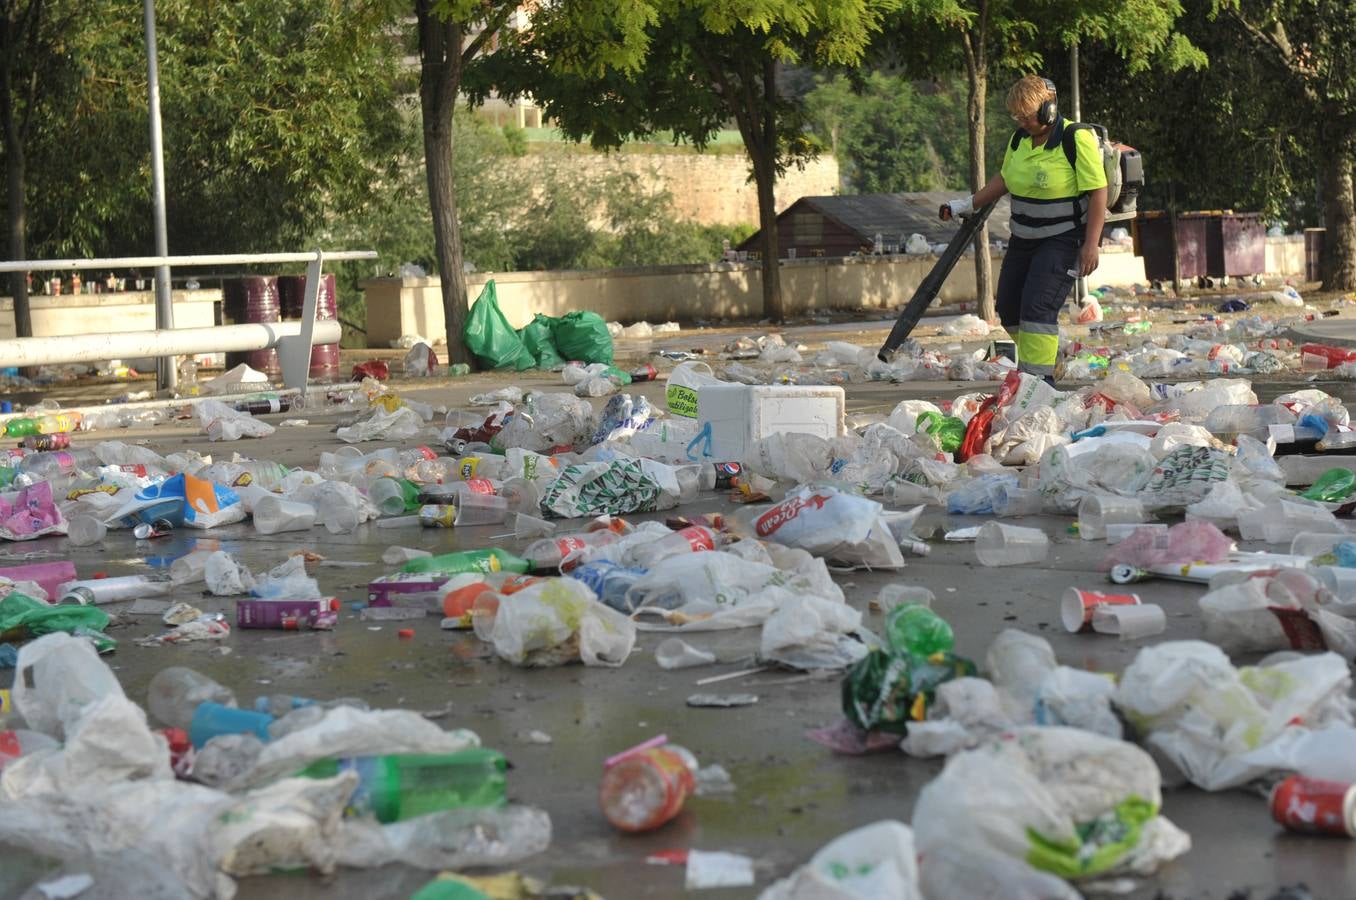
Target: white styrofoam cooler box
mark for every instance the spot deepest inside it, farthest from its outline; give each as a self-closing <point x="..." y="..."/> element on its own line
<point x="740" y="414"/>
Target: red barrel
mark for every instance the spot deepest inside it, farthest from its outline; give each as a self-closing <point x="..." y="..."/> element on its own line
<point x="292" y="291"/>
<point x="246" y="300"/>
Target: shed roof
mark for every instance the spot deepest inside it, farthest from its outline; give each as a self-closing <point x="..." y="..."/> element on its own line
<point x="902" y="214"/>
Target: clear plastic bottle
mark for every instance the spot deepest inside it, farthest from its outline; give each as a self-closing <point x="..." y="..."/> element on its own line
<point x="58" y="463"/>
<point x="913" y="628"/>
<point x="558" y="553"/>
<point x="59" y="422"/>
<point x="402" y="786"/>
<point x="693" y="539"/>
<point x="279" y="705"/>
<point x="176" y="693"/>
<point x="646" y="789"/>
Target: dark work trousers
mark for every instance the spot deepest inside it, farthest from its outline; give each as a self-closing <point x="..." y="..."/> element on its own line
<point x="1032" y="287"/>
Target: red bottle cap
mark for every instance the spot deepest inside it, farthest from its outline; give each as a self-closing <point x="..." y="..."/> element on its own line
<point x="405" y="633"/>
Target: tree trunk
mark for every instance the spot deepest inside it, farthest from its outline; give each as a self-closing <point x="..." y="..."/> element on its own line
<point x="1339" y="217"/>
<point x="18" y="281"/>
<point x="439" y="81"/>
<point x="765" y="176"/>
<point x="974" y="113"/>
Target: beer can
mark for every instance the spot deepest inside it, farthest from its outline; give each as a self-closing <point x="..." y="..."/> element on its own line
<point x="1315" y="806"/>
<point x="1124" y="573"/>
<point x="437" y="515"/>
<point x="78" y="596"/>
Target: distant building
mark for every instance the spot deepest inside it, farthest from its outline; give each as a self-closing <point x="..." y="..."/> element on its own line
<point x="848" y="225"/>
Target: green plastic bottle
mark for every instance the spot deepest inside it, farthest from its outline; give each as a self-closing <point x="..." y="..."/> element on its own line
<point x="402" y="786"/>
<point x="915" y="629"/>
<point x="490" y="560"/>
<point x="1332" y="486"/>
<point x="21" y="427"/>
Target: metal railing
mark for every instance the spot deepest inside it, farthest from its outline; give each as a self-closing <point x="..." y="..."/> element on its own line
<point x="292" y="340"/>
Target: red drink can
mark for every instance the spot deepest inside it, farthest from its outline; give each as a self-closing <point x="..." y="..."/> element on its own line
<point x="1315" y="806"/>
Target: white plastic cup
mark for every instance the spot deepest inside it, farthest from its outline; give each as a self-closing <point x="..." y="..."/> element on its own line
<point x="1095" y="513"/>
<point x="525" y="526"/>
<point x="1008" y="545"/>
<point x="893" y="595"/>
<point x="1130" y="622"/>
<point x="86" y="530"/>
<point x="1010" y="501"/>
<point x="1313" y="543"/>
<point x="274" y="514"/>
<point x="387" y="496"/>
<point x="1078" y="606"/>
<point x="522" y="495"/>
<point x="480" y="509"/>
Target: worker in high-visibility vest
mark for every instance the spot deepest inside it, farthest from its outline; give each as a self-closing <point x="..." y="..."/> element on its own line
<point x="1058" y="209"/>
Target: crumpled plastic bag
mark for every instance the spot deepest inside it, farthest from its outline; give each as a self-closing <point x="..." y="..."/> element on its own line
<point x="873" y="862"/>
<point x="808" y="632"/>
<point x="1025" y="440"/>
<point x="618" y="487"/>
<point x="827" y="522"/>
<point x="1110" y="468"/>
<point x="1068" y="802"/>
<point x="718" y="589"/>
<point x="791" y="456"/>
<point x="399" y="424"/>
<point x="1201" y="716"/>
<point x="226" y="577"/>
<point x="1288" y="609"/>
<point x="222" y="423"/>
<point x="552" y="622"/>
<point x="420" y="362"/>
<point x="287" y="581"/>
<point x="449" y="839"/>
<point x="966" y="324"/>
<point x="1184" y="477"/>
<point x="1186" y="542"/>
<point x="30" y="513"/>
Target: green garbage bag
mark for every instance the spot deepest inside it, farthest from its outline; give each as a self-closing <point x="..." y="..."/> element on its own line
<point x="583" y="336"/>
<point x="23" y="618"/>
<point x="537" y="338"/>
<point x="490" y="337"/>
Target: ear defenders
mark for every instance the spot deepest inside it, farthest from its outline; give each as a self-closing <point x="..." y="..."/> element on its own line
<point x="1048" y="112"/>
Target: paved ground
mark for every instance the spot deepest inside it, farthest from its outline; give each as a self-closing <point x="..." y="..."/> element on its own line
<point x="791" y="795"/>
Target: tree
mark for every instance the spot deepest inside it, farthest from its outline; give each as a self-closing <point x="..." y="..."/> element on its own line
<point x="452" y="34"/>
<point x="1308" y="45"/>
<point x="36" y="74"/>
<point x="999" y="37"/>
<point x="613" y="70"/>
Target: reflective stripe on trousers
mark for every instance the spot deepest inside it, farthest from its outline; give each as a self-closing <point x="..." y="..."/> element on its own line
<point x="1032" y="287"/>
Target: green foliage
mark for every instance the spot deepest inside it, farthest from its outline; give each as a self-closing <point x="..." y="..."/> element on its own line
<point x="892" y="134"/>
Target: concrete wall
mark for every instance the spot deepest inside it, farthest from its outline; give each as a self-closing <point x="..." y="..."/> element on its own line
<point x="400" y="306"/>
<point x="103" y="313"/>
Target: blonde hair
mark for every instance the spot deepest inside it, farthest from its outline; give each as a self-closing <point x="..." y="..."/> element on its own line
<point x="1027" y="95"/>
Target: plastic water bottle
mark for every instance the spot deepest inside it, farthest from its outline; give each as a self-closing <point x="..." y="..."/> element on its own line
<point x="915" y="629"/>
<point x="176" y="693"/>
<point x="693" y="539"/>
<point x="645" y="789"/>
<point x="402" y="786"/>
<point x="558" y="553"/>
<point x="46" y="466"/>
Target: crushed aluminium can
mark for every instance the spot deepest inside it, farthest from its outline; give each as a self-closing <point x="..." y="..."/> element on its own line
<point x="1124" y="573"/>
<point x="1315" y="806"/>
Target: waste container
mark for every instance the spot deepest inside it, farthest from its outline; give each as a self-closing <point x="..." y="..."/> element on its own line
<point x="249" y="299"/>
<point x="292" y="296"/>
<point x="1235" y="245"/>
<point x="1153" y="241"/>
<point x="1313" y="253"/>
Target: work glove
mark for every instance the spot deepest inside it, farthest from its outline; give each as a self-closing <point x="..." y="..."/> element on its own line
<point x="952" y="208"/>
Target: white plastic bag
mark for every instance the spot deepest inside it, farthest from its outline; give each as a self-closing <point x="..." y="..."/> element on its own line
<point x="809" y="632"/>
<point x="222" y="423"/>
<point x="402" y="424"/>
<point x="680" y="393"/>
<point x="873" y="862"/>
<point x="553" y="621"/>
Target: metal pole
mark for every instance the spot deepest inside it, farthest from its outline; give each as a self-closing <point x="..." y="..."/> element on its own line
<point x="166" y="368"/>
<point x="1075" y="94"/>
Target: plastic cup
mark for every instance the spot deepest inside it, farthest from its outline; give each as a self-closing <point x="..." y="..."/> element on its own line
<point x="1011" y="501"/>
<point x="893" y="595"/>
<point x="525" y="526"/>
<point x="1008" y="545"/>
<point x="1077" y="606"/>
<point x="86" y="530"/>
<point x="1095" y="513"/>
<point x="274" y="514"/>
<point x="1312" y="543"/>
<point x="1117" y="533"/>
<point x="387" y="495"/>
<point x="1130" y="622"/>
<point x="521" y="494"/>
<point x="480" y="509"/>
